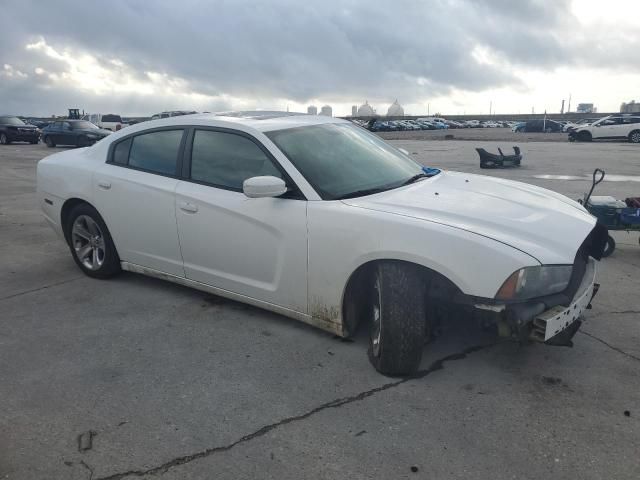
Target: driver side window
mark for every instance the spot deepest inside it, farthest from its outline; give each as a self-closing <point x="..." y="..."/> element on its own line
<point x="226" y="160"/>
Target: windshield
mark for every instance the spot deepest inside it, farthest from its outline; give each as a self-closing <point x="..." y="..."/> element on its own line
<point x="83" y="125"/>
<point x="11" y="121"/>
<point x="342" y="160"/>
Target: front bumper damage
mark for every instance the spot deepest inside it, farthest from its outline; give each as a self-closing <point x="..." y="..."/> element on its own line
<point x="541" y="322"/>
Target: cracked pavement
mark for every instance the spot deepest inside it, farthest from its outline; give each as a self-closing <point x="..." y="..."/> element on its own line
<point x="179" y="384"/>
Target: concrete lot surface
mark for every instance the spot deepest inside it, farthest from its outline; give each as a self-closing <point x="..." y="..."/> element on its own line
<point x="165" y="382"/>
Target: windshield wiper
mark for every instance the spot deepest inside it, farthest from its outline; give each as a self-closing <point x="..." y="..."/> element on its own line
<point x="415" y="178"/>
<point x="362" y="193"/>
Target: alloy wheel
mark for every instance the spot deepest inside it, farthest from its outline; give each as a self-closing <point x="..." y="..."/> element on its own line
<point x="635" y="137"/>
<point x="88" y="242"/>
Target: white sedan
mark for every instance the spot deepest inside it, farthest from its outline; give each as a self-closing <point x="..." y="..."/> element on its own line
<point x="319" y="220"/>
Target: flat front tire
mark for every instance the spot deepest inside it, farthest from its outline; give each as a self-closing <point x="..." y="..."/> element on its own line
<point x="90" y="242"/>
<point x="398" y="319"/>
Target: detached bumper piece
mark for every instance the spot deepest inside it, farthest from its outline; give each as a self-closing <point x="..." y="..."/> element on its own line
<point x="491" y="160"/>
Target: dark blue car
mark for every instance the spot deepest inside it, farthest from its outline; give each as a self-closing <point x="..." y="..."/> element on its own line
<point x="72" y="132"/>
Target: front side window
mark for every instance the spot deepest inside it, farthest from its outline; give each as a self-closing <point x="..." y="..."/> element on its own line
<point x="341" y="160"/>
<point x="226" y="160"/>
<point x="155" y="152"/>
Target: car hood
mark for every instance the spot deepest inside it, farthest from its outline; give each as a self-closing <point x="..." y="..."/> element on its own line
<point x="544" y="224"/>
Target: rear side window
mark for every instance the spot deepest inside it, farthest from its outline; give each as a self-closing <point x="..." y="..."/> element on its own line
<point x="226" y="160"/>
<point x="155" y="152"/>
<point x="121" y="152"/>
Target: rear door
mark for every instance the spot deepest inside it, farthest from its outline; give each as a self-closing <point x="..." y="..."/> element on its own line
<point x="256" y="247"/>
<point x="134" y="191"/>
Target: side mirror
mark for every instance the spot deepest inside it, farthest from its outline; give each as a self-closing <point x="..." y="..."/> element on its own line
<point x="267" y="186"/>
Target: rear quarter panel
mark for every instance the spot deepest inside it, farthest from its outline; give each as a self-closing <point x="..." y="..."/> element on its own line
<point x="60" y="177"/>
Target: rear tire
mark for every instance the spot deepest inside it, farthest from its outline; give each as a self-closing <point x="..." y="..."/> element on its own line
<point x="634" y="137"/>
<point x="49" y="142"/>
<point x="609" y="247"/>
<point x="90" y="242"/>
<point x="398" y="319"/>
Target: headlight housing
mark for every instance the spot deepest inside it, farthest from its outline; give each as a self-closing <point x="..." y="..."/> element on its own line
<point x="532" y="282"/>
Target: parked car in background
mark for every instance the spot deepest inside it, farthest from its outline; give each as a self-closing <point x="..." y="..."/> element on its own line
<point x="613" y="127"/>
<point x="326" y="223"/>
<point x="37" y="123"/>
<point x="80" y="133"/>
<point x="173" y="113"/>
<point x="546" y="126"/>
<point x="518" y="127"/>
<point x="569" y="126"/>
<point x="107" y="121"/>
<point x="12" y="129"/>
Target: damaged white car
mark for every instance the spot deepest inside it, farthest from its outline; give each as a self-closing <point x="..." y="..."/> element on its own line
<point x="319" y="220"/>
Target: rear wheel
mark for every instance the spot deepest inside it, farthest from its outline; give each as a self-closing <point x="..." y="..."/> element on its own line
<point x="49" y="142"/>
<point x="4" y="140"/>
<point x="609" y="247"/>
<point x="90" y="242"/>
<point x="398" y="319"/>
<point x="634" y="137"/>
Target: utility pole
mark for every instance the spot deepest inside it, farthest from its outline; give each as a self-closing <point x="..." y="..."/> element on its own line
<point x="490" y="105"/>
<point x="428" y="106"/>
<point x="569" y="106"/>
<point x="562" y="107"/>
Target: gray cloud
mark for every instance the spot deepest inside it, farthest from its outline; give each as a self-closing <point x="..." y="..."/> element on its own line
<point x="339" y="51"/>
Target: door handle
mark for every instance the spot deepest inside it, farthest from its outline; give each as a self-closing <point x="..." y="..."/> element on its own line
<point x="188" y="207"/>
<point x="104" y="185"/>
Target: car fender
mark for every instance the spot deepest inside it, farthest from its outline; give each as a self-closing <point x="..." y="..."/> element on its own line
<point x="342" y="238"/>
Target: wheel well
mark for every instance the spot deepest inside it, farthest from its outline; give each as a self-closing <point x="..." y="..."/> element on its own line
<point x="69" y="205"/>
<point x="360" y="282"/>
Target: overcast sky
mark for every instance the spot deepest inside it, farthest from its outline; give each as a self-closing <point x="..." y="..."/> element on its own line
<point x="139" y="57"/>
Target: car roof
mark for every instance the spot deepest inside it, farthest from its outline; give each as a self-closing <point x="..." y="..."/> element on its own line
<point x="262" y="121"/>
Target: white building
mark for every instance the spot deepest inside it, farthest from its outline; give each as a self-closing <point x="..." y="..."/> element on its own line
<point x="327" y="111"/>
<point x="354" y="111"/>
<point x="312" y="110"/>
<point x="366" y="110"/>
<point x="395" y="110"/>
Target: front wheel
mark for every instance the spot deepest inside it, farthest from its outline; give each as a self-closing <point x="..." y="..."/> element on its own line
<point x="634" y="137"/>
<point x="609" y="247"/>
<point x="90" y="243"/>
<point x="398" y="319"/>
<point x="4" y="140"/>
<point x="50" y="143"/>
<point x="584" y="137"/>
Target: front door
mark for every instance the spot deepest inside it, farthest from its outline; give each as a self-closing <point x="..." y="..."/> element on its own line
<point x="255" y="247"/>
